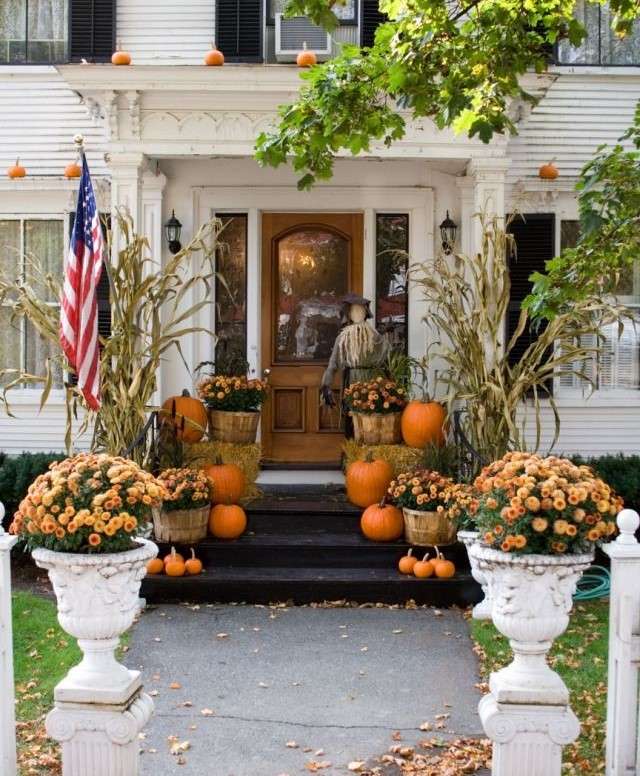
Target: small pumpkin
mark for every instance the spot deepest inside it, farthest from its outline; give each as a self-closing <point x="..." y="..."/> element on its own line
<point x="367" y="481"/>
<point x="305" y="57"/>
<point x="424" y="568"/>
<point x="422" y="423"/>
<point x="173" y="555"/>
<point x="382" y="522"/>
<point x="155" y="566"/>
<point x="187" y="415"/>
<point x="444" y="569"/>
<point x="407" y="563"/>
<point x="120" y="57"/>
<point x="72" y="170"/>
<point x="228" y="482"/>
<point x="194" y="565"/>
<point x="227" y="521"/>
<point x="16" y="170"/>
<point x="548" y="171"/>
<point x="175" y="566"/>
<point x="214" y="57"/>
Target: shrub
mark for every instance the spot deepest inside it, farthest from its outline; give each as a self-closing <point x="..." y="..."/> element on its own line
<point x="621" y="472"/>
<point x="17" y="473"/>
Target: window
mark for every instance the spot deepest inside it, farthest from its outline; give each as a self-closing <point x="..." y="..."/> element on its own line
<point x="231" y="296"/>
<point x="392" y="264"/>
<point x="347" y="11"/>
<point x="92" y="28"/>
<point x="601" y="46"/>
<point x="33" y="31"/>
<point x="371" y="19"/>
<point x="25" y="245"/>
<point x="239" y="29"/>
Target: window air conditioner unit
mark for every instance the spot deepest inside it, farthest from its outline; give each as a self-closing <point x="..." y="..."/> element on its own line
<point x="293" y="33"/>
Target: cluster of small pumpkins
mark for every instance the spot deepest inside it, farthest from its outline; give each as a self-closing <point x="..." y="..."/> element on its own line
<point x="439" y="566"/>
<point x="174" y="565"/>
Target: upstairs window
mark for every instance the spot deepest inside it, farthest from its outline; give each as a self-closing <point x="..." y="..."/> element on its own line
<point x="601" y="46"/>
<point x="33" y="31"/>
<point x="239" y="30"/>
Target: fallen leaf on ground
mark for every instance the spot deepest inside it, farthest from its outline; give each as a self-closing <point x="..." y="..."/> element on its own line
<point x="356" y="765"/>
<point x="175" y="686"/>
<point x="207" y="712"/>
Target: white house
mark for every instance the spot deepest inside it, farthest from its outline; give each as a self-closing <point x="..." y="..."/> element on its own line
<point x="170" y="134"/>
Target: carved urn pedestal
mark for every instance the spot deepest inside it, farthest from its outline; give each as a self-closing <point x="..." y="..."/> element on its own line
<point x="482" y="610"/>
<point x="527" y="713"/>
<point x="100" y="707"/>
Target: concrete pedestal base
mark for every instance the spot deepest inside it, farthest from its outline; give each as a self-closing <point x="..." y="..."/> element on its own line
<point x="527" y="739"/>
<point x="100" y="739"/>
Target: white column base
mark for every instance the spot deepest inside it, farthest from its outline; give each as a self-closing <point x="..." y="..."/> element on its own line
<point x="527" y="739"/>
<point x="101" y="740"/>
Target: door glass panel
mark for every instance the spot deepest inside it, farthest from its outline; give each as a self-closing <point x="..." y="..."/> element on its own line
<point x="312" y="274"/>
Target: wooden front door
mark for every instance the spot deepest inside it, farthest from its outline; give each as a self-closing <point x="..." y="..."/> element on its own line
<point x="309" y="262"/>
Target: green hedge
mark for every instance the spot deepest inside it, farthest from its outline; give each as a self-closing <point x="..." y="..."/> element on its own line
<point x="620" y="471"/>
<point x="17" y="473"/>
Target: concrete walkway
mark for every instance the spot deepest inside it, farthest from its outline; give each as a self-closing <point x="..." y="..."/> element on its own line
<point x="264" y="691"/>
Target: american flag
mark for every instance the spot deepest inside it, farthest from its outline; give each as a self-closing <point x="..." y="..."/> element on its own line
<point x="79" y="304"/>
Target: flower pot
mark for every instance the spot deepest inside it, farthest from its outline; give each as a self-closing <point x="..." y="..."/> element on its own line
<point x="482" y="610"/>
<point x="428" y="529"/>
<point x="237" y="427"/>
<point x="531" y="597"/>
<point x="377" y="428"/>
<point x="181" y="526"/>
<point x="98" y="598"/>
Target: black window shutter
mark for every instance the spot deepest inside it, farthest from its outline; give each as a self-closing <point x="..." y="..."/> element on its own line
<point x="371" y="19"/>
<point x="92" y="26"/>
<point x="534" y="235"/>
<point x="239" y="30"/>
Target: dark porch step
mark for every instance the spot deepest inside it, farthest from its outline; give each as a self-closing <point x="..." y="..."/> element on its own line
<point x="297" y="515"/>
<point x="307" y="585"/>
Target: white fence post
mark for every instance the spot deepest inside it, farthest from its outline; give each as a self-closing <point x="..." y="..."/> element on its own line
<point x="7" y="691"/>
<point x="624" y="649"/>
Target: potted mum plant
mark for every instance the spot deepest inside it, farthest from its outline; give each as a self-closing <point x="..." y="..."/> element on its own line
<point x="539" y="520"/>
<point x="429" y="505"/>
<point x="184" y="514"/>
<point x="83" y="521"/>
<point x="376" y="409"/>
<point x="233" y="404"/>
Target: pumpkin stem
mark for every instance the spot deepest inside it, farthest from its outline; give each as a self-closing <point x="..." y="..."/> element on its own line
<point x="193" y="554"/>
<point x="304" y="45"/>
<point x="173" y="553"/>
<point x="185" y="393"/>
<point x="17" y="161"/>
<point x="439" y="555"/>
<point x="383" y="501"/>
<point x="369" y="456"/>
<point x="219" y="461"/>
<point x="410" y="553"/>
<point x="425" y="557"/>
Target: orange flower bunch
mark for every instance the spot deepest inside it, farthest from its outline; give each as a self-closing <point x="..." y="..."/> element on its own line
<point x="232" y="393"/>
<point x="185" y="489"/>
<point x="379" y="395"/>
<point x="427" y="491"/>
<point x="88" y="503"/>
<point x="531" y="504"/>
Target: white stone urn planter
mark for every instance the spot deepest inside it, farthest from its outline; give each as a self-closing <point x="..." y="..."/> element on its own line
<point x="531" y="597"/>
<point x="98" y="598"/>
<point x="482" y="610"/>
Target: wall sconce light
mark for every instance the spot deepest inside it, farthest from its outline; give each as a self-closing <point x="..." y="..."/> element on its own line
<point x="448" y="231"/>
<point x="172" y="230"/>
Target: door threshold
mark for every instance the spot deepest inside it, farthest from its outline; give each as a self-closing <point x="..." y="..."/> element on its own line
<point x="275" y="466"/>
<point x="289" y="477"/>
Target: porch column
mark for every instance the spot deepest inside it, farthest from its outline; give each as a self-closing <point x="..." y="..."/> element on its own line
<point x="126" y="190"/>
<point x="482" y="190"/>
<point x="7" y="696"/>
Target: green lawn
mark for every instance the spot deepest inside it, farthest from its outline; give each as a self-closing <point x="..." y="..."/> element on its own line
<point x="580" y="657"/>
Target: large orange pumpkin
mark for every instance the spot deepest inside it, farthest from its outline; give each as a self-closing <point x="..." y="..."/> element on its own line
<point x="228" y="482"/>
<point x="367" y="481"/>
<point x="188" y="416"/>
<point x="382" y="522"/>
<point x="422" y="423"/>
<point x="227" y="521"/>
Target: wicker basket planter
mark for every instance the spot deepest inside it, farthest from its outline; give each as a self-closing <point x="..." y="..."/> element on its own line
<point x="237" y="427"/>
<point x="377" y="428"/>
<point x="181" y="526"/>
<point x="428" y="529"/>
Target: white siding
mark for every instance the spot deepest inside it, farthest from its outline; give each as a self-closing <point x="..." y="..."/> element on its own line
<point x="31" y="431"/>
<point x="163" y="32"/>
<point x="578" y="112"/>
<point x="40" y="115"/>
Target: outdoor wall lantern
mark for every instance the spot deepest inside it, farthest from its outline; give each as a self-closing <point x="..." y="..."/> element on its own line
<point x="172" y="230"/>
<point x="448" y="231"/>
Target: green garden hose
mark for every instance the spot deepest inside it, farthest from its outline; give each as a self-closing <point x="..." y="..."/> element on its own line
<point x="595" y="583"/>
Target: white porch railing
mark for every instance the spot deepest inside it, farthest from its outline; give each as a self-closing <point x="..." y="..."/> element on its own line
<point x="7" y="692"/>
<point x="623" y="757"/>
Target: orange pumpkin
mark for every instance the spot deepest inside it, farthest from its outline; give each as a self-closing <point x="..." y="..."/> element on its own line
<point x="422" y="423"/>
<point x="367" y="481"/>
<point x="175" y="566"/>
<point x="305" y="57"/>
<point x="173" y="555"/>
<point x="121" y="58"/>
<point x="227" y="521"/>
<point x="193" y="566"/>
<point x="382" y="522"/>
<point x="188" y="416"/>
<point x="406" y="563"/>
<point x="72" y="171"/>
<point x="155" y="566"/>
<point x="214" y="57"/>
<point x="444" y="569"/>
<point x="16" y="170"/>
<point x="424" y="568"/>
<point x="548" y="171"/>
<point x="228" y="482"/>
